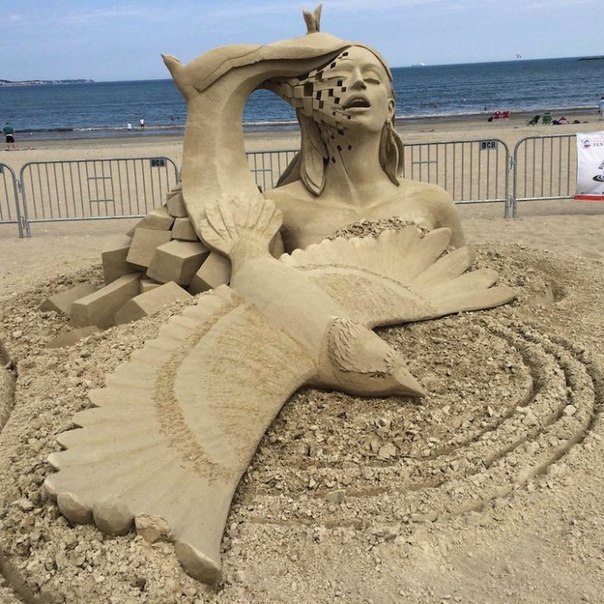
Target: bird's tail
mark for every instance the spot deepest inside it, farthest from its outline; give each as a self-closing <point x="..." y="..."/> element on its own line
<point x="241" y="227"/>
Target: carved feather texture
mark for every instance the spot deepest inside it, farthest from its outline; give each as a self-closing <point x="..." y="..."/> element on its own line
<point x="341" y="335"/>
<point x="343" y="344"/>
<point x="251" y="221"/>
<point x="399" y="277"/>
<point x="181" y="416"/>
<point x="176" y="426"/>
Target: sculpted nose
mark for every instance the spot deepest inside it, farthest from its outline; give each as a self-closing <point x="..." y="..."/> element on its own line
<point x="358" y="83"/>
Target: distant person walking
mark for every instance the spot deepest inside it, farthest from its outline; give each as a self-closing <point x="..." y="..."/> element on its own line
<point x="9" y="133"/>
<point x="142" y="122"/>
<point x="129" y="126"/>
<point x="601" y="108"/>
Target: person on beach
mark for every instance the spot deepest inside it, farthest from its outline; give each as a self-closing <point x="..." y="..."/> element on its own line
<point x="9" y="133"/>
<point x="142" y="123"/>
<point x="351" y="156"/>
<point x="601" y="108"/>
<point x="128" y="126"/>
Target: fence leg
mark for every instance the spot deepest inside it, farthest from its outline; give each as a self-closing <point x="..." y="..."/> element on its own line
<point x="20" y="220"/>
<point x="506" y="207"/>
<point x="23" y="216"/>
<point x="514" y="208"/>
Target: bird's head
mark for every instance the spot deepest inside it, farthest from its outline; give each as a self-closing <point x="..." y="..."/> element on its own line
<point x="359" y="362"/>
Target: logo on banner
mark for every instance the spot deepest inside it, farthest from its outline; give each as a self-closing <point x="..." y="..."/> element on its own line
<point x="600" y="177"/>
<point x="590" y="166"/>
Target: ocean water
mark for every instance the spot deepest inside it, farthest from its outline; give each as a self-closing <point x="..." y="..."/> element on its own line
<point x="103" y="109"/>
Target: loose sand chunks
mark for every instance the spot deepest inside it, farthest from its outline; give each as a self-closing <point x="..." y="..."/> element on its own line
<point x="69" y="338"/>
<point x="150" y="302"/>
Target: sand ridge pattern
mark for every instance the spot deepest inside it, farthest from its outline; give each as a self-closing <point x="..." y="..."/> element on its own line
<point x="350" y="496"/>
<point x="442" y="459"/>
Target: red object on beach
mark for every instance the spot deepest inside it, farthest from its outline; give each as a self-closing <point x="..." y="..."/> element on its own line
<point x="497" y="115"/>
<point x="505" y="114"/>
<point x="589" y="198"/>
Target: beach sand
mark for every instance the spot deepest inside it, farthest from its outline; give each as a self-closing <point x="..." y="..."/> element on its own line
<point x="488" y="491"/>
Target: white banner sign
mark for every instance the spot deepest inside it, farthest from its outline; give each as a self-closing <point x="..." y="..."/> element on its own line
<point x="590" y="166"/>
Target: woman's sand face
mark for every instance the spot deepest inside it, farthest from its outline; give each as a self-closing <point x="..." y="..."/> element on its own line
<point x="358" y="91"/>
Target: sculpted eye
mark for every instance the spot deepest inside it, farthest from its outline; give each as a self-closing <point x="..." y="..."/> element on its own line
<point x="377" y="375"/>
<point x="372" y="77"/>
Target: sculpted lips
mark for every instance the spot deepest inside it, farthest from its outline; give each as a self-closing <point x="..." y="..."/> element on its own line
<point x="357" y="101"/>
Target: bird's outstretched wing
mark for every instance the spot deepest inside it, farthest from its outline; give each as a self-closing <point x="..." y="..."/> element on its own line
<point x="399" y="277"/>
<point x="176" y="426"/>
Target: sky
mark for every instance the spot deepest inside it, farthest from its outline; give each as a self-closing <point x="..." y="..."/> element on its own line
<point x="112" y="40"/>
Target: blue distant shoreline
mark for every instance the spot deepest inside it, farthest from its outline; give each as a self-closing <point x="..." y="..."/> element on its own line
<point x="13" y="83"/>
<point x="464" y="91"/>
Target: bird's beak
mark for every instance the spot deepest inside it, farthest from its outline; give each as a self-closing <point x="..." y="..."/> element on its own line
<point x="408" y="385"/>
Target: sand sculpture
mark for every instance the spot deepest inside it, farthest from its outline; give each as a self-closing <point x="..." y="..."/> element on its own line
<point x="348" y="168"/>
<point x="350" y="161"/>
<point x="175" y="428"/>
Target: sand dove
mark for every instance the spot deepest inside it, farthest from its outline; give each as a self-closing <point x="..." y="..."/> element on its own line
<point x="177" y="425"/>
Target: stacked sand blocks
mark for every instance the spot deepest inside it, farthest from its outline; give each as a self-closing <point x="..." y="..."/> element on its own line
<point x="160" y="261"/>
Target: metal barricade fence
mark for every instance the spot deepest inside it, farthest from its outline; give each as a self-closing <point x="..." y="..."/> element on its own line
<point x="10" y="210"/>
<point x="267" y="166"/>
<point x="545" y="167"/>
<point x="474" y="171"/>
<point x="471" y="171"/>
<point x="94" y="189"/>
